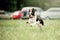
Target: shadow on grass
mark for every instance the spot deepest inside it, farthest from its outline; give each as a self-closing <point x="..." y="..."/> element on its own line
<point x="52" y="19"/>
<point x="8" y="19"/>
<point x="5" y="18"/>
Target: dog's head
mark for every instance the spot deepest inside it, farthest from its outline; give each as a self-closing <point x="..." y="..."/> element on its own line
<point x="32" y="13"/>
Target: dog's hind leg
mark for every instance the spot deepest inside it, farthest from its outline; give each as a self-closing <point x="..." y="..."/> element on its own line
<point x="40" y="20"/>
<point x="39" y="25"/>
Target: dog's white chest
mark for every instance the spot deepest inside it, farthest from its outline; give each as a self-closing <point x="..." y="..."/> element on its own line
<point x="32" y="21"/>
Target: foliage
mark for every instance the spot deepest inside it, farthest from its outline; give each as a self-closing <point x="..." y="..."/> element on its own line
<point x="44" y="4"/>
<point x="12" y="5"/>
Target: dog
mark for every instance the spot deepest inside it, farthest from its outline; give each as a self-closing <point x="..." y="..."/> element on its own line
<point x="35" y="19"/>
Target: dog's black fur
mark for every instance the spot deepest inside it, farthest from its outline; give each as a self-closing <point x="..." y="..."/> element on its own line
<point x="40" y="20"/>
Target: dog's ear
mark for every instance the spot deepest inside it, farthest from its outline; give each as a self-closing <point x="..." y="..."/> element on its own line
<point x="33" y="12"/>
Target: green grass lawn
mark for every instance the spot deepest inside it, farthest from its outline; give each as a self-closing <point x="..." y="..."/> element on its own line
<point x="19" y="30"/>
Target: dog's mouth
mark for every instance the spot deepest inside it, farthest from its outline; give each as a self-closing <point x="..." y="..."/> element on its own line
<point x="30" y="17"/>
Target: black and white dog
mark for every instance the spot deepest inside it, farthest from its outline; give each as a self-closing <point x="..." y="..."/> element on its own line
<point x="35" y="19"/>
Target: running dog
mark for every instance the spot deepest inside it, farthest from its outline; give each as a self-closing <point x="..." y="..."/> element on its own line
<point x="35" y="19"/>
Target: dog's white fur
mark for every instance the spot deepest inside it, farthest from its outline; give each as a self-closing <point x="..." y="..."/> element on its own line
<point x="32" y="21"/>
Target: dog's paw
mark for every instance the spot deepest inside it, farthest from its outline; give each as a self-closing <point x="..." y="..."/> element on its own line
<point x="26" y="22"/>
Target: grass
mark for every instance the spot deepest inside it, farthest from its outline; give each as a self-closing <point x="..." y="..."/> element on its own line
<point x="19" y="30"/>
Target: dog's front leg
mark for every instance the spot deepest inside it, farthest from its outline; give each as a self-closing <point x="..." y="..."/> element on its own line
<point x="29" y="21"/>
